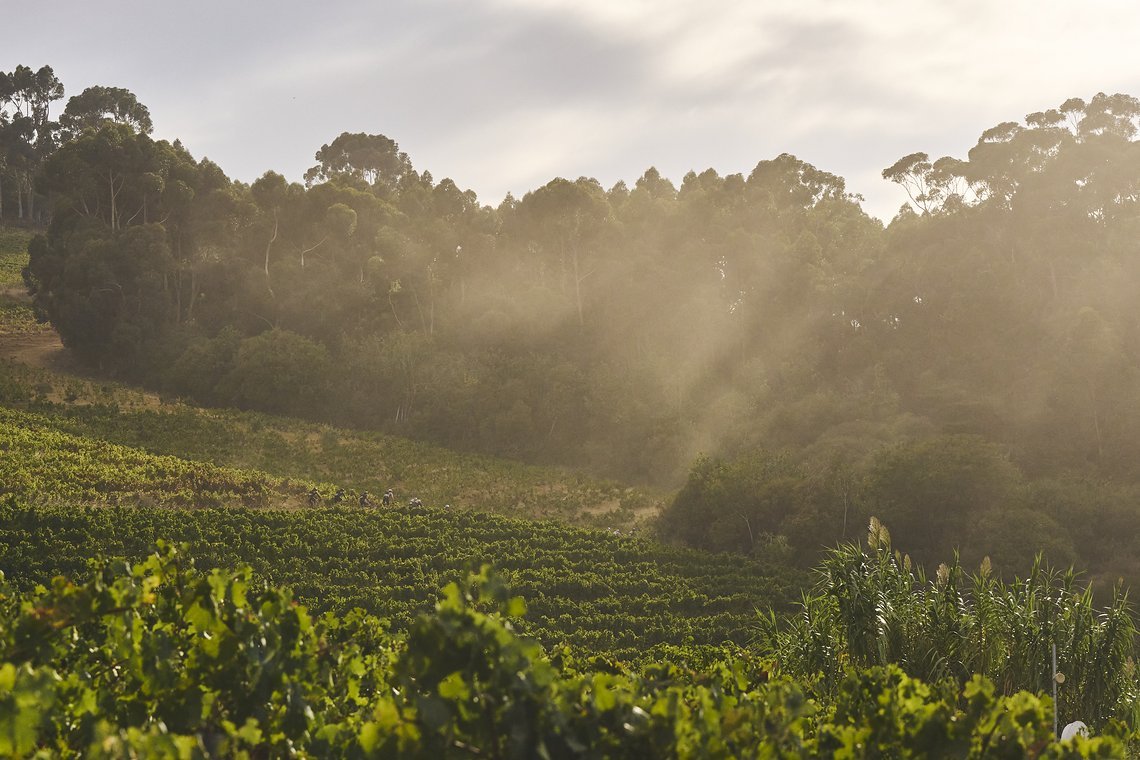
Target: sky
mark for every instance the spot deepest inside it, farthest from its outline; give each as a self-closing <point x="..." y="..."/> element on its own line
<point x="505" y="95"/>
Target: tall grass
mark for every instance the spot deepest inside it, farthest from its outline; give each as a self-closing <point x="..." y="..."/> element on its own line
<point x="872" y="606"/>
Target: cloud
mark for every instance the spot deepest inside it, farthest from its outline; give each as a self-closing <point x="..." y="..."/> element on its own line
<point x="507" y="94"/>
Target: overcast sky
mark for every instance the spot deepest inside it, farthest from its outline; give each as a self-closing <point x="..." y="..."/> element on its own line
<point x="505" y="95"/>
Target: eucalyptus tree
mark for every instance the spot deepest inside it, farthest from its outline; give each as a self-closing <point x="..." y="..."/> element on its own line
<point x="25" y="99"/>
<point x="564" y="221"/>
<point x="108" y="271"/>
<point x="270" y="192"/>
<point x="17" y="156"/>
<point x="376" y="159"/>
<point x="107" y="173"/>
<point x="97" y="104"/>
<point x="929" y="185"/>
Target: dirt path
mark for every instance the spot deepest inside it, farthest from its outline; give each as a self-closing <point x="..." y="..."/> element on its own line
<point x="39" y="349"/>
<point x="34" y="347"/>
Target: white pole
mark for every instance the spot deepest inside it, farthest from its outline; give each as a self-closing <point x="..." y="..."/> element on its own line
<point x="1055" y="735"/>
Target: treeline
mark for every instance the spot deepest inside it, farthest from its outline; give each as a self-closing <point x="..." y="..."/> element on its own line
<point x="625" y="329"/>
<point x="28" y="135"/>
<point x="571" y="326"/>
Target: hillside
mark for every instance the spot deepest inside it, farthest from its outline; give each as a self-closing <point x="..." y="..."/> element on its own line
<point x="16" y="316"/>
<point x="87" y="410"/>
<point x="92" y="467"/>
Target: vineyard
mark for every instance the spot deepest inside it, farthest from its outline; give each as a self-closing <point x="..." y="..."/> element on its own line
<point x="43" y="463"/>
<point x="92" y="413"/>
<point x="180" y="663"/>
<point x="13" y="257"/>
<point x="608" y="594"/>
<point x="16" y="315"/>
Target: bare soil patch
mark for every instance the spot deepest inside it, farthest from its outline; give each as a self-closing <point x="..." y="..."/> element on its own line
<point x="41" y="349"/>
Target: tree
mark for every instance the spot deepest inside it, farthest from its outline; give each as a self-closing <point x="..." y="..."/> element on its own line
<point x="270" y="192"/>
<point x="278" y="371"/>
<point x="28" y="95"/>
<point x="31" y="92"/>
<point x="376" y="159"/>
<point x="565" y="218"/>
<point x="1111" y="114"/>
<point x="1093" y="393"/>
<point x="791" y="183"/>
<point x="97" y="104"/>
<point x="131" y="215"/>
<point x="932" y="491"/>
<point x="103" y="292"/>
<point x="929" y="185"/>
<point x="17" y="155"/>
<point x="110" y="173"/>
<point x="730" y="506"/>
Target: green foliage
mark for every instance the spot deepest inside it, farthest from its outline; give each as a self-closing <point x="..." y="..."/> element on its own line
<point x="203" y="664"/>
<point x="374" y="158"/>
<point x="941" y="495"/>
<point x="597" y="591"/>
<point x="41" y="463"/>
<point x="932" y="491"/>
<point x="27" y="136"/>
<point x="97" y="104"/>
<point x="282" y="448"/>
<point x="13" y="256"/>
<point x="182" y="663"/>
<point x="872" y="608"/>
<point x="735" y="506"/>
<point x="278" y="372"/>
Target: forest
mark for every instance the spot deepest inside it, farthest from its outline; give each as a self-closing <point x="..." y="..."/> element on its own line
<point x="966" y="372"/>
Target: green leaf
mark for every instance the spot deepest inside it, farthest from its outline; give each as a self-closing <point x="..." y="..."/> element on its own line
<point x="454" y="687"/>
